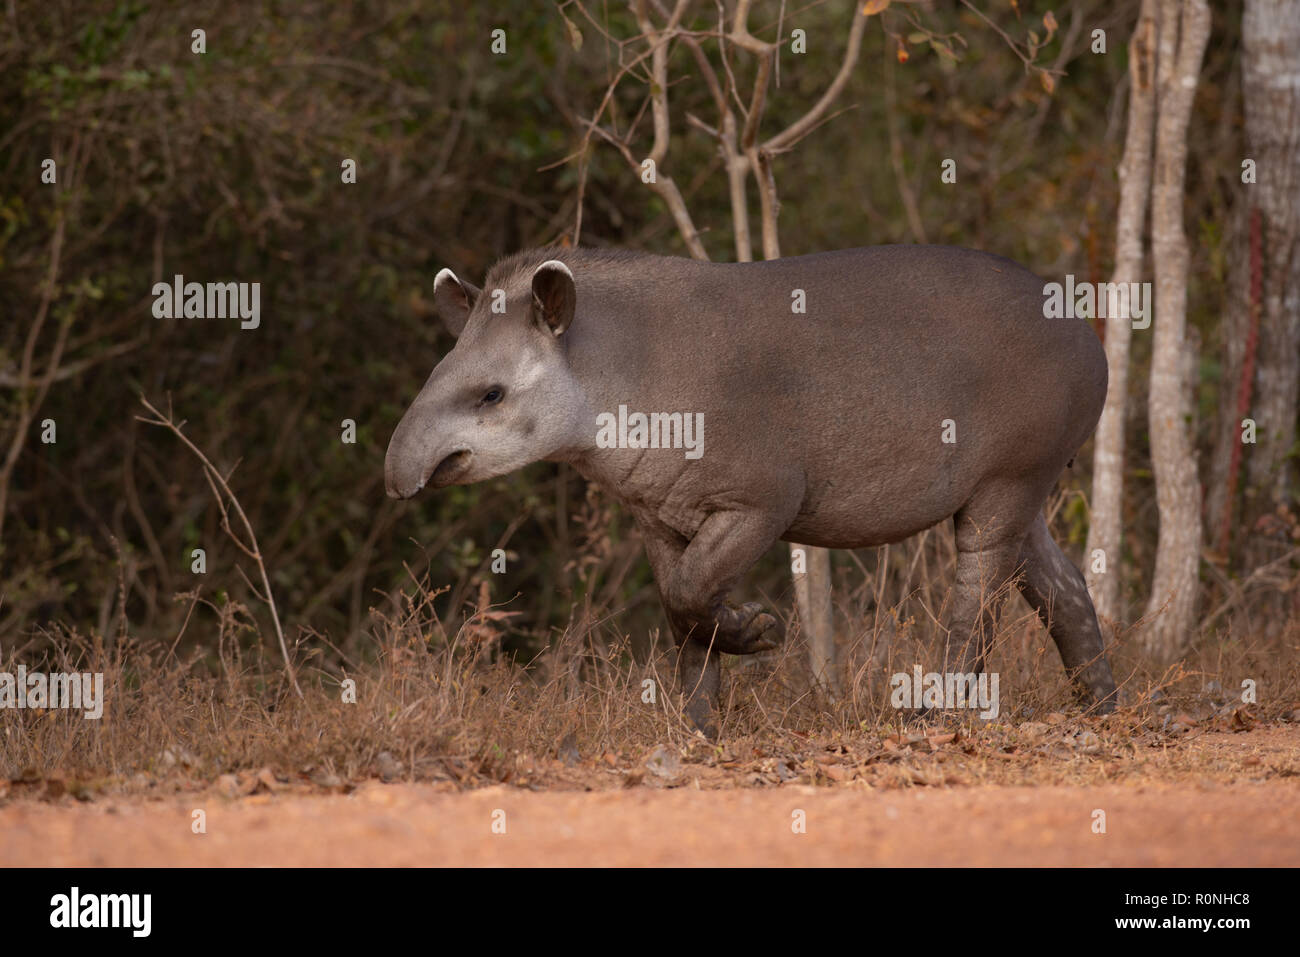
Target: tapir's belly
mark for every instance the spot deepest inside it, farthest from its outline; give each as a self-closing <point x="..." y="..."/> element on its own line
<point x="866" y="515"/>
<point x="841" y="529"/>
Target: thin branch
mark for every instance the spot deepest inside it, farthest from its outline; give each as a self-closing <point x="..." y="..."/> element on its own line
<point x="798" y="129"/>
<point x="221" y="490"/>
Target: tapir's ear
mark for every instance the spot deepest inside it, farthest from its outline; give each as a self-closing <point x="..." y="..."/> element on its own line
<point x="452" y="300"/>
<point x="554" y="296"/>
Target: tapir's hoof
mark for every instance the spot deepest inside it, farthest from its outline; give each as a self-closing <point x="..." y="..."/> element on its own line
<point x="704" y="716"/>
<point x="1102" y="706"/>
<point x="747" y="630"/>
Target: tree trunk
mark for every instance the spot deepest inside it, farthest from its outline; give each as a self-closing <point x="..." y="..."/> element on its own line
<point x="1184" y="28"/>
<point x="1135" y="187"/>
<point x="1239" y="333"/>
<point x="813" y="595"/>
<point x="1271" y="93"/>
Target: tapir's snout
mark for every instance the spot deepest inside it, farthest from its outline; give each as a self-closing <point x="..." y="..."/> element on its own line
<point x="413" y="462"/>
<point x="400" y="479"/>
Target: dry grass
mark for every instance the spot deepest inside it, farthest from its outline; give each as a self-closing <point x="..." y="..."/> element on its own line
<point x="447" y="707"/>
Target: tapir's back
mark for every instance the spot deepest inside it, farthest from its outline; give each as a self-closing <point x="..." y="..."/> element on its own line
<point x="880" y="375"/>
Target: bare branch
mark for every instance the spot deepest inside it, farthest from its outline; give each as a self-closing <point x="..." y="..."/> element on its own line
<point x="223" y="493"/>
<point x="802" y="126"/>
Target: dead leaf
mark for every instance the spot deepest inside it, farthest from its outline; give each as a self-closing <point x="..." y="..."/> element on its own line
<point x="55" y="786"/>
<point x="837" y="772"/>
<point x="633" y="779"/>
<point x="872" y="7"/>
<point x="575" y="35"/>
<point x="1087" y="742"/>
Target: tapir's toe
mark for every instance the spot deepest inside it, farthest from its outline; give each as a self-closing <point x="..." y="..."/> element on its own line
<point x="761" y="631"/>
<point x="747" y="630"/>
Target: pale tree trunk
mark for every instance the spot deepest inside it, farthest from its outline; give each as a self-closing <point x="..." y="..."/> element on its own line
<point x="1184" y="28"/>
<point x="1102" y="560"/>
<point x="1271" y="93"/>
<point x="812" y="589"/>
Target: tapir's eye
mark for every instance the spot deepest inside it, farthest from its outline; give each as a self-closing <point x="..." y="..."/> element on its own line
<point x="492" y="396"/>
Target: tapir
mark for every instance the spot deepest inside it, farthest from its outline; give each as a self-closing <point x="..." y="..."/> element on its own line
<point x="844" y="399"/>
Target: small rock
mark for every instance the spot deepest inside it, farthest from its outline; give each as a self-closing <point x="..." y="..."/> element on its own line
<point x="663" y="763"/>
<point x="179" y="755"/>
<point x="389" y="767"/>
<point x="326" y="779"/>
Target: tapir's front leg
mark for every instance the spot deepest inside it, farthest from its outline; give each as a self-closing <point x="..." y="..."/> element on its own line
<point x="696" y="590"/>
<point x="695" y="579"/>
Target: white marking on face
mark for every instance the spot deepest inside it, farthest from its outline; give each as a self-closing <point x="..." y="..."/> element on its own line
<point x="529" y="371"/>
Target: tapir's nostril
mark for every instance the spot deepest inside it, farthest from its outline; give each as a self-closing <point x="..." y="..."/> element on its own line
<point x="449" y="468"/>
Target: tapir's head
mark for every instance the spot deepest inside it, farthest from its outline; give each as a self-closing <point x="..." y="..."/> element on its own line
<point x="504" y="396"/>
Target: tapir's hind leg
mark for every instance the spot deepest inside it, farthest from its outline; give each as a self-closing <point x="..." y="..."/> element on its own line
<point x="1056" y="590"/>
<point x="986" y="559"/>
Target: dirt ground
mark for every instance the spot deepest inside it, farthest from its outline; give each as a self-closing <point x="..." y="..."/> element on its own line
<point x="1226" y="799"/>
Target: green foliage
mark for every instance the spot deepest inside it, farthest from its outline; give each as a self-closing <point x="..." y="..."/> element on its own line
<point x="225" y="166"/>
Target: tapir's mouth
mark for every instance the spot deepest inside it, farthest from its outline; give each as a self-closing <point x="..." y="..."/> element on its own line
<point x="449" y="469"/>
